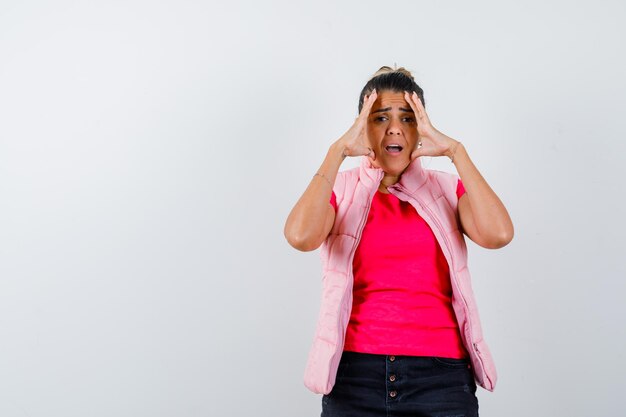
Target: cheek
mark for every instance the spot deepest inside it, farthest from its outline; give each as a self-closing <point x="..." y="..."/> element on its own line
<point x="411" y="137"/>
<point x="373" y="132"/>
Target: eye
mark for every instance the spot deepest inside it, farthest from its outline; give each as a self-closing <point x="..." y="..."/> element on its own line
<point x="381" y="119"/>
<point x="408" y="119"/>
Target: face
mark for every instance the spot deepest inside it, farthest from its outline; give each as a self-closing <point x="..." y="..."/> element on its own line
<point x="392" y="132"/>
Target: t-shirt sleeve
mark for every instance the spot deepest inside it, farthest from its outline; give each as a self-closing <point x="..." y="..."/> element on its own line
<point x="460" y="189"/>
<point x="333" y="200"/>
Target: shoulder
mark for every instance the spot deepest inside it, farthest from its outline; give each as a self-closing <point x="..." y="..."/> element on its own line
<point x="447" y="183"/>
<point x="445" y="179"/>
<point x="345" y="180"/>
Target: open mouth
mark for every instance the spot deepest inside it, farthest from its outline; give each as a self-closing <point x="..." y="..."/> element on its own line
<point x="393" y="148"/>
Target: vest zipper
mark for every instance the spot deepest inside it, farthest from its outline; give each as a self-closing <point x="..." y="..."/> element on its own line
<point x="449" y="258"/>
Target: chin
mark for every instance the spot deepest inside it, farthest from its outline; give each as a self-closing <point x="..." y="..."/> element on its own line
<point x="396" y="168"/>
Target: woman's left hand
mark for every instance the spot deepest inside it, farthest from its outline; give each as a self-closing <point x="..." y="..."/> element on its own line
<point x="430" y="141"/>
<point x="484" y="219"/>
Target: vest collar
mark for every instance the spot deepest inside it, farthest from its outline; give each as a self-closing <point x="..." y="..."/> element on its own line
<point x="413" y="177"/>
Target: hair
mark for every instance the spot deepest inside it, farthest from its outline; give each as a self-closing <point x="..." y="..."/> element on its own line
<point x="397" y="80"/>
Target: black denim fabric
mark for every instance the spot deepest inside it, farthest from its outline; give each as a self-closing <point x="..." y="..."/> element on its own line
<point x="370" y="385"/>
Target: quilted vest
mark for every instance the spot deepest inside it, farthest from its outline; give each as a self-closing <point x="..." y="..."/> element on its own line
<point x="433" y="194"/>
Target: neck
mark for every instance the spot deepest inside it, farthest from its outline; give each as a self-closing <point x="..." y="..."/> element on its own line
<point x="387" y="181"/>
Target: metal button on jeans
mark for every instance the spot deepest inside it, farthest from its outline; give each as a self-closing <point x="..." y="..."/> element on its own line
<point x="392" y="358"/>
<point x="393" y="394"/>
<point x="392" y="377"/>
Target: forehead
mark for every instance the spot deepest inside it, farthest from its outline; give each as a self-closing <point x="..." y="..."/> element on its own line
<point x="391" y="99"/>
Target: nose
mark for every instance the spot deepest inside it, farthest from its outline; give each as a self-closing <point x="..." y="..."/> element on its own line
<point x="393" y="128"/>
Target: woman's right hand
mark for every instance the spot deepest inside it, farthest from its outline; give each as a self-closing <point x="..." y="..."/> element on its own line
<point x="354" y="141"/>
<point x="312" y="218"/>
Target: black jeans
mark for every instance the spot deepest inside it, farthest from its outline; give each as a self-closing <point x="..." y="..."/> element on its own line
<point x="369" y="385"/>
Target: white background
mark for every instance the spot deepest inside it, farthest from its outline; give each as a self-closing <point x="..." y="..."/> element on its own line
<point x="150" y="152"/>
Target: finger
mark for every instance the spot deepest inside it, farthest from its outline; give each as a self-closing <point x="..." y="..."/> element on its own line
<point x="409" y="99"/>
<point x="420" y="106"/>
<point x="414" y="104"/>
<point x="369" y="102"/>
<point x="367" y="105"/>
<point x="416" y="154"/>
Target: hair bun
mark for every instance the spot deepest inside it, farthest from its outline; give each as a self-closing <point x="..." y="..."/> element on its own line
<point x="385" y="70"/>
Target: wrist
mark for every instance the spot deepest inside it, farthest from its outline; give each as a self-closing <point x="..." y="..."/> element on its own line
<point x="337" y="150"/>
<point x="453" y="149"/>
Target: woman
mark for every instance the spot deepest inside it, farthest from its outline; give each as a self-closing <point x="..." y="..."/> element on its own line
<point x="398" y="332"/>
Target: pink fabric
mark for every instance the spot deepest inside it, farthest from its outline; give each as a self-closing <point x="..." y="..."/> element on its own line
<point x="433" y="195"/>
<point x="460" y="190"/>
<point x="333" y="200"/>
<point x="402" y="293"/>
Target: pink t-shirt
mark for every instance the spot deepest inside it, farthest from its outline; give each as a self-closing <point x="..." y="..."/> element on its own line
<point x="402" y="292"/>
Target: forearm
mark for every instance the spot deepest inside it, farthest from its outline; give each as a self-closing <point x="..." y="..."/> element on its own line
<point x="305" y="228"/>
<point x="489" y="215"/>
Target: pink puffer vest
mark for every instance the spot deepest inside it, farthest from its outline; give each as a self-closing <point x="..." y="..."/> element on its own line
<point x="433" y="194"/>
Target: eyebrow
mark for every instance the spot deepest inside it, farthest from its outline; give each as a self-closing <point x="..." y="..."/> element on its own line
<point x="389" y="108"/>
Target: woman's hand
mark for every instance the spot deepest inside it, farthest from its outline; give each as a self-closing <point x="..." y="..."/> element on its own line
<point x="354" y="141"/>
<point x="484" y="219"/>
<point x="312" y="218"/>
<point x="430" y="141"/>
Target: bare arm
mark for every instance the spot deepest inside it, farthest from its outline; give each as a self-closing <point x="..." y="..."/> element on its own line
<point x="312" y="218"/>
<point x="484" y="218"/>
